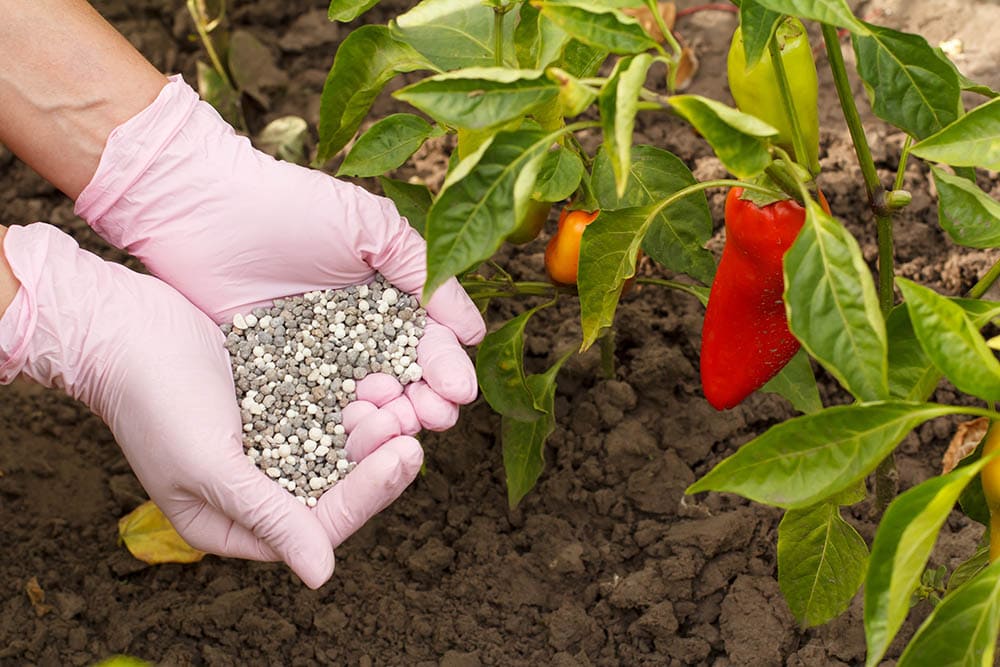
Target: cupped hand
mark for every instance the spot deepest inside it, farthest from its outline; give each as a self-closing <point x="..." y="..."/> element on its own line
<point x="231" y="228"/>
<point x="154" y="368"/>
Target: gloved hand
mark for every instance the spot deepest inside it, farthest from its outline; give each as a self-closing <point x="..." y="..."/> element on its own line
<point x="154" y="368"/>
<point x="231" y="228"/>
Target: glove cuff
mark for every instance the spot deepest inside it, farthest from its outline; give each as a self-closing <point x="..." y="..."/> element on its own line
<point x="130" y="150"/>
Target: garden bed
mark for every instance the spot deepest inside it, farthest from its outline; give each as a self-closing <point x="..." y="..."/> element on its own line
<point x="606" y="562"/>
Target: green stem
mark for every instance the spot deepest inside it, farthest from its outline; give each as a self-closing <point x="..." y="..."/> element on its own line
<point x="498" y="14"/>
<point x="673" y="63"/>
<point x="903" y="157"/>
<point x="851" y="115"/>
<point x="486" y="288"/>
<point x="200" y="25"/>
<point x="672" y="284"/>
<point x="607" y="344"/>
<point x="886" y="477"/>
<point x="979" y="289"/>
<point x="788" y="104"/>
<point x="662" y="25"/>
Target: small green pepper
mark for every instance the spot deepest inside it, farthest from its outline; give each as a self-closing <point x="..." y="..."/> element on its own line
<point x="755" y="89"/>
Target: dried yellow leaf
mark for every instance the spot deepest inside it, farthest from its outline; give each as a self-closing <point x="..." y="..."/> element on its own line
<point x="967" y="437"/>
<point x="687" y="68"/>
<point x="149" y="537"/>
<point x="668" y="11"/>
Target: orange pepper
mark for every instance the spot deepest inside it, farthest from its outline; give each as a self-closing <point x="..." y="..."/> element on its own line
<point x="562" y="254"/>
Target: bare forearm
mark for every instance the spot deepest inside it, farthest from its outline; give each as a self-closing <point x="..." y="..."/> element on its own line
<point x="67" y="80"/>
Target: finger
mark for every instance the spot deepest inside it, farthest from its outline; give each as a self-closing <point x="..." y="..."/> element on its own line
<point x="434" y="412"/>
<point x="371" y="433"/>
<point x="355" y="413"/>
<point x="403" y="409"/>
<point x="403" y="261"/>
<point x="452" y="307"/>
<point x="369" y="488"/>
<point x="378" y="388"/>
<point x="256" y="502"/>
<point x="446" y="366"/>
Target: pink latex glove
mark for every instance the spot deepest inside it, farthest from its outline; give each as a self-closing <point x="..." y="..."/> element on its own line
<point x="154" y="368"/>
<point x="232" y="228"/>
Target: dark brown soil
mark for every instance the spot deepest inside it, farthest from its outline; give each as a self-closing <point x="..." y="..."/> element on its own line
<point x="605" y="563"/>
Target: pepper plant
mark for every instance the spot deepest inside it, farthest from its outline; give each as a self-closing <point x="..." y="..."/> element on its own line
<point x="518" y="83"/>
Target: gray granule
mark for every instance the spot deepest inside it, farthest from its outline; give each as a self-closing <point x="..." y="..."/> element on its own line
<point x="295" y="366"/>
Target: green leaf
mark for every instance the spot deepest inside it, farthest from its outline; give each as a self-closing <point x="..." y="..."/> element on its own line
<point x="524" y="441"/>
<point x="574" y="96"/>
<point x="480" y="97"/>
<point x="386" y="145"/>
<point x="608" y="252"/>
<point x="973" y="498"/>
<point x="365" y="61"/>
<point x="952" y="341"/>
<point x="821" y="562"/>
<point x="481" y="203"/>
<point x="980" y="311"/>
<point x="677" y="235"/>
<point x="962" y="629"/>
<point x="285" y="139"/>
<point x="807" y="459"/>
<point x="538" y="42"/>
<point x="739" y="140"/>
<point x="216" y="90"/>
<point x="413" y="200"/>
<point x="559" y="175"/>
<point x="970" y="216"/>
<point x="581" y="60"/>
<point x="618" y="103"/>
<point x="912" y="375"/>
<point x="970" y="568"/>
<point x="500" y="370"/>
<point x="757" y="24"/>
<point x="912" y="85"/>
<point x="834" y="12"/>
<point x="903" y="543"/>
<point x="971" y="141"/>
<point x="346" y="11"/>
<point x="454" y="34"/>
<point x="797" y="383"/>
<point x="833" y="306"/>
<point x="597" y="25"/>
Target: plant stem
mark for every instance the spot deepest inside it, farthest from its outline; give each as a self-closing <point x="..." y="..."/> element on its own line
<point x="851" y="115"/>
<point x="498" y="15"/>
<point x="903" y="157"/>
<point x="788" y="104"/>
<point x="607" y="343"/>
<point x="675" y="46"/>
<point x="672" y="284"/>
<point x="886" y="477"/>
<point x="985" y="282"/>
<point x="485" y="288"/>
<point x="201" y="26"/>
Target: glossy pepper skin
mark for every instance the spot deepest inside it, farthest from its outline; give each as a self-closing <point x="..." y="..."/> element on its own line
<point x="990" y="476"/>
<point x="755" y="90"/>
<point x="535" y="216"/>
<point x="562" y="254"/>
<point x="745" y="338"/>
